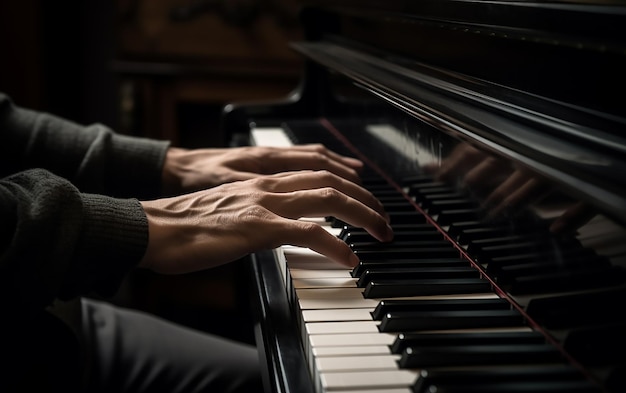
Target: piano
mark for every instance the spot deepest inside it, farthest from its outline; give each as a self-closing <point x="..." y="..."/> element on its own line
<point x="495" y="134"/>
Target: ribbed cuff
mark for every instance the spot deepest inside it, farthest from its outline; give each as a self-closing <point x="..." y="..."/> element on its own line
<point x="113" y="241"/>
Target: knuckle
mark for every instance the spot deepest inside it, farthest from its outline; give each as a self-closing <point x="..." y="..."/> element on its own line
<point x="254" y="212"/>
<point x="326" y="176"/>
<point x="330" y="194"/>
<point x="321" y="157"/>
<point x="264" y="183"/>
<point x="311" y="229"/>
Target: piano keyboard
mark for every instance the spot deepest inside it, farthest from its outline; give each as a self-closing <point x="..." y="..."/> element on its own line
<point x="416" y="315"/>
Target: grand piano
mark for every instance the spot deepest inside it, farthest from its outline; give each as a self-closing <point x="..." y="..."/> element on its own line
<point x="493" y="132"/>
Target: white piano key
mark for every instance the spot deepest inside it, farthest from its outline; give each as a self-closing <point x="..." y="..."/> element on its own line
<point x="318" y="220"/>
<point x="330" y="293"/>
<point x="356" y="339"/>
<point x="358" y="314"/>
<point x="342" y="327"/>
<point x="341" y="381"/>
<point x="270" y="136"/>
<point x="335" y="298"/>
<point x="357" y="363"/>
<point x="320" y="304"/>
<point x="308" y="273"/>
<point x="326" y="282"/>
<point x="352" y="350"/>
<point x="306" y="258"/>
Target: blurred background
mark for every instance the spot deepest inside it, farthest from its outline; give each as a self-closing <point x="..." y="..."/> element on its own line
<point x="162" y="69"/>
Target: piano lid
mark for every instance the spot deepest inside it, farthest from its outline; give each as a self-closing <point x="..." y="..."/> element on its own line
<point x="535" y="83"/>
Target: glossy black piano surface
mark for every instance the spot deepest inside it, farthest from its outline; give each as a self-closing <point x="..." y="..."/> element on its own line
<point x="494" y="134"/>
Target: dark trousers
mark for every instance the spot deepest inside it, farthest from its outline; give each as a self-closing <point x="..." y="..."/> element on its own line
<point x="131" y="351"/>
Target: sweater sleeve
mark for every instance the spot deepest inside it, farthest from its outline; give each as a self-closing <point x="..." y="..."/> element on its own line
<point x="93" y="158"/>
<point x="74" y="226"/>
<point x="56" y="242"/>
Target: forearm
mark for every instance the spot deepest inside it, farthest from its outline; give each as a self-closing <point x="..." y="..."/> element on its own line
<point x="56" y="242"/>
<point x="94" y="158"/>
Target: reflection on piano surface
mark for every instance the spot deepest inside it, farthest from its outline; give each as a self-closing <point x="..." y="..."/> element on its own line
<point x="490" y="134"/>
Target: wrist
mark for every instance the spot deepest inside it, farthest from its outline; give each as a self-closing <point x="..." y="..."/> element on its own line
<point x="171" y="179"/>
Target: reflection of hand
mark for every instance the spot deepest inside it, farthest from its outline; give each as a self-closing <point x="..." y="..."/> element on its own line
<point x="192" y="170"/>
<point x="518" y="190"/>
<point x="472" y="169"/>
<point x="456" y="165"/>
<point x="211" y="227"/>
<point x="573" y="218"/>
<point x="505" y="189"/>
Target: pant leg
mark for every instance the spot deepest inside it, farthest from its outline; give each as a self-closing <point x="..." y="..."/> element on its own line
<point x="131" y="351"/>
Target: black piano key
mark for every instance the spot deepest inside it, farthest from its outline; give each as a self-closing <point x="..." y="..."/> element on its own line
<point x="391" y="305"/>
<point x="436" y="206"/>
<point x="569" y="280"/>
<point x="411" y="217"/>
<point x="416" y="273"/>
<point x="428" y="187"/>
<point x="398" y="245"/>
<point x="428" y="198"/>
<point x="496" y="264"/>
<point x="427" y="195"/>
<point x="508" y="273"/>
<point x="481" y="232"/>
<point x="489" y="253"/>
<point x="456" y="228"/>
<point x="397" y="206"/>
<point x="403" y="288"/>
<point x="408" y="262"/>
<point x="578" y="309"/>
<point x="395" y="217"/>
<point x="556" y="386"/>
<point x="377" y="184"/>
<point x="513" y="374"/>
<point x="403" y="321"/>
<point x="419" y="227"/>
<point x="417" y="179"/>
<point x="415" y="357"/>
<point x="476" y="247"/>
<point x="418" y="235"/>
<point x="412" y="252"/>
<point x="405" y="340"/>
<point x="446" y="217"/>
<point x="390" y="194"/>
<point x="597" y="346"/>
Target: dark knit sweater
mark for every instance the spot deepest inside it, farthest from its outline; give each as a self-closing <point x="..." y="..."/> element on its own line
<point x="69" y="223"/>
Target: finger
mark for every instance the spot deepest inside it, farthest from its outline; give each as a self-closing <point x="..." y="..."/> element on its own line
<point x="497" y="197"/>
<point x="349" y="161"/>
<point x="310" y="180"/>
<point x="330" y="202"/>
<point x="289" y="160"/>
<point x="457" y="163"/>
<point x="482" y="176"/>
<point x="313" y="236"/>
<point x="573" y="218"/>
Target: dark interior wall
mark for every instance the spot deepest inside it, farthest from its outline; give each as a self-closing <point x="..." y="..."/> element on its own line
<point x="55" y="56"/>
<point x="20" y="52"/>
